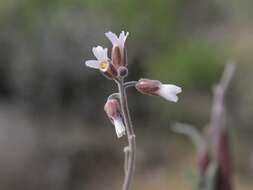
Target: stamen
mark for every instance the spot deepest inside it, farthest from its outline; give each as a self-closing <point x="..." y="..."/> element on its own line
<point x="103" y="65"/>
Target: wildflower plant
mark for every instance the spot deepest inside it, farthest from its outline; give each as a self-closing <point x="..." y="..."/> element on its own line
<point x="116" y="106"/>
<point x="214" y="159"/>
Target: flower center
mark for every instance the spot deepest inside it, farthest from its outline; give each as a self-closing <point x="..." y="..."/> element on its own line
<point x="103" y="65"/>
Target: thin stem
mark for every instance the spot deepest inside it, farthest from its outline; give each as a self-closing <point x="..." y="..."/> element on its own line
<point x="126" y="151"/>
<point x="114" y="95"/>
<point x="130" y="84"/>
<point x="130" y="135"/>
<point x="195" y="135"/>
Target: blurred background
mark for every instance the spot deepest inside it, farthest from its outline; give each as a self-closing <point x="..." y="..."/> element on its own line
<point x="54" y="133"/>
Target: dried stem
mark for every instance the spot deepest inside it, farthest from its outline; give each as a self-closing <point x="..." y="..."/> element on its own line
<point x="131" y="148"/>
<point x="195" y="136"/>
<point x="219" y="134"/>
<point x="217" y="114"/>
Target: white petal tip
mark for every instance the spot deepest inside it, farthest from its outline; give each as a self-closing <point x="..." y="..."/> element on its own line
<point x="119" y="135"/>
<point x="169" y="92"/>
<point x="92" y="64"/>
<point x="119" y="127"/>
<point x="100" y="53"/>
<point x="174" y="99"/>
<point x="112" y="37"/>
<point x="178" y="89"/>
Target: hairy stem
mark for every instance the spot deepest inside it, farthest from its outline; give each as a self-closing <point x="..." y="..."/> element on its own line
<point x="130" y="163"/>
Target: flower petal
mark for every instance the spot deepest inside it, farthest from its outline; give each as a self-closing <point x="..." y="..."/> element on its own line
<point x="113" y="38"/>
<point x="119" y="127"/>
<point x="122" y="38"/>
<point x="100" y="52"/>
<point x="169" y="92"/>
<point x="92" y="63"/>
<point x="105" y="54"/>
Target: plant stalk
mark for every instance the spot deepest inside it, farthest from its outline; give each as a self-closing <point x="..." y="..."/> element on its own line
<point x="130" y="163"/>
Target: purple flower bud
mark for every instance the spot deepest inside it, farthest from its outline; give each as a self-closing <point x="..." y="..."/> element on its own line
<point x="113" y="111"/>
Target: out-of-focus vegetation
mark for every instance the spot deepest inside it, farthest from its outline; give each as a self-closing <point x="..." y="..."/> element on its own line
<point x="53" y="131"/>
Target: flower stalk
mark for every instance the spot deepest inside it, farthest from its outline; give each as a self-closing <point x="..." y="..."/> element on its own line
<point x="116" y="106"/>
<point x="130" y="150"/>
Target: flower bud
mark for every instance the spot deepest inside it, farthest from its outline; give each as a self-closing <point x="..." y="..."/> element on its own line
<point x="113" y="111"/>
<point x="112" y="108"/>
<point x="122" y="71"/>
<point x="156" y="88"/>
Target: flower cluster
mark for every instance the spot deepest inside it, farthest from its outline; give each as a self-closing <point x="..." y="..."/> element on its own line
<point x="116" y="69"/>
<point x="110" y="67"/>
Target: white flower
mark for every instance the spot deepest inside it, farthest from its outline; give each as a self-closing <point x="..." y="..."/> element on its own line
<point x="117" y="41"/>
<point x="102" y="63"/>
<point x="169" y="92"/>
<point x="156" y="88"/>
<point x="118" y="49"/>
<point x="102" y="58"/>
<point x="119" y="127"/>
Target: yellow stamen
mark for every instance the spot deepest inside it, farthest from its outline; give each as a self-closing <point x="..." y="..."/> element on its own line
<point x="103" y="65"/>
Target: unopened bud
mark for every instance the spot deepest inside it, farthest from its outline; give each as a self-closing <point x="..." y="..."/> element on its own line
<point x="112" y="108"/>
<point x="156" y="88"/>
<point x="122" y="71"/>
<point x="113" y="111"/>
